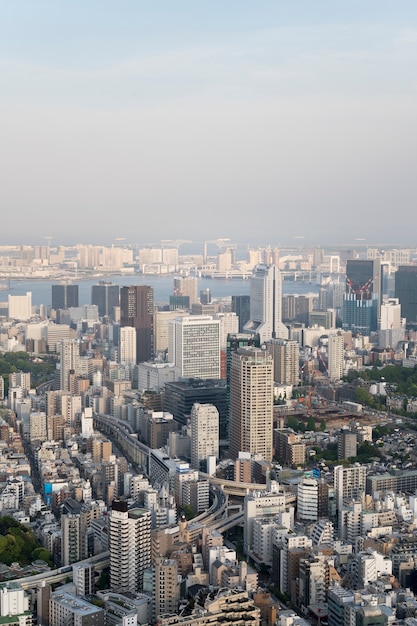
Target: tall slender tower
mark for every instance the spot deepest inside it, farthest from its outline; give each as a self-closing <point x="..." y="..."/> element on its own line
<point x="127" y="345"/>
<point x="137" y="310"/>
<point x="336" y="354"/>
<point x="266" y="304"/>
<point x="251" y="402"/>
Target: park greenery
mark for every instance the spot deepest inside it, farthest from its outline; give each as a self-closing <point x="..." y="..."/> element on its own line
<point x="41" y="369"/>
<point x="18" y="544"/>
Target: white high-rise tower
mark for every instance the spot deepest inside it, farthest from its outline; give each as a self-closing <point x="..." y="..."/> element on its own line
<point x="127" y="345"/>
<point x="266" y="304"/>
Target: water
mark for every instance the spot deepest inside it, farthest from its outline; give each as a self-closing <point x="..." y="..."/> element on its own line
<point x="162" y="285"/>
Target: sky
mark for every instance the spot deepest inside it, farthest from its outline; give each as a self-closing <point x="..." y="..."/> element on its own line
<point x="272" y="121"/>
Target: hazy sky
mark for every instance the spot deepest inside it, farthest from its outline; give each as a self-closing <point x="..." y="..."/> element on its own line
<point x="196" y="119"/>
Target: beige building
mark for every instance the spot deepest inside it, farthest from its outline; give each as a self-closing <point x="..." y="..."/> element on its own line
<point x="251" y="402"/>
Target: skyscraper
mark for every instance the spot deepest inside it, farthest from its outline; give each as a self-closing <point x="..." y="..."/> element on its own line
<point x="187" y="286"/>
<point x="194" y="346"/>
<point x="335" y="356"/>
<point x="362" y="300"/>
<point x="406" y="291"/>
<point x="127" y="346"/>
<point x="106" y="296"/>
<point x="64" y="296"/>
<point x="137" y="310"/>
<point x="251" y="402"/>
<point x="266" y="304"/>
<point x="129" y="546"/>
<point x="241" y="306"/>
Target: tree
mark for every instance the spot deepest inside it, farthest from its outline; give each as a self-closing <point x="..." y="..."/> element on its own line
<point x="311" y="424"/>
<point x="323" y="425"/>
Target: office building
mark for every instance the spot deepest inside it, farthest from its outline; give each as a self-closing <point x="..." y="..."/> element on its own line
<point x="161" y="327"/>
<point x="204" y="434"/>
<point x="406" y="291"/>
<point x="362" y="300"/>
<point x="137" y="310"/>
<point x="127" y="346"/>
<point x="251" y="402"/>
<point x="290" y="451"/>
<point x="241" y="306"/>
<point x="20" y="307"/>
<point x="129" y="546"/>
<point x="194" y="346"/>
<point x="64" y="296"/>
<point x="286" y="356"/>
<point x="106" y="297"/>
<point x="266" y="304"/>
<point x="187" y="286"/>
<point x="180" y="396"/>
<point x="336" y="358"/>
<point x="229" y="324"/>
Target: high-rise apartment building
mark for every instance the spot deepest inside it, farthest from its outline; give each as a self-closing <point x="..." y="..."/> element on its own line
<point x="266" y="304"/>
<point x="70" y="362"/>
<point x="335" y="356"/>
<point x="166" y="587"/>
<point x="106" y="297"/>
<point x="406" y="291"/>
<point x="137" y="310"/>
<point x="234" y="342"/>
<point x="194" y="346"/>
<point x="286" y="357"/>
<point x="347" y="444"/>
<point x="251" y="402"/>
<point x="127" y="346"/>
<point x="362" y="300"/>
<point x="64" y="296"/>
<point x="204" y="434"/>
<point x="129" y="545"/>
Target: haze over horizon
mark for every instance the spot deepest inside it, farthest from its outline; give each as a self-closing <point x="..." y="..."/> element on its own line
<point x="267" y="122"/>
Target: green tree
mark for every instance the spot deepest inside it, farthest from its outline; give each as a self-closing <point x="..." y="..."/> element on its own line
<point x="311" y="424"/>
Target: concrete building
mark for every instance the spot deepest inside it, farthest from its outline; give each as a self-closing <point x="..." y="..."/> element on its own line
<point x="286" y="356"/>
<point x="161" y="327"/>
<point x="70" y="362"/>
<point x="347" y="444"/>
<point x="194" y="346"/>
<point x="266" y="304"/>
<point x="66" y="608"/>
<point x="335" y="356"/>
<point x="129" y="546"/>
<point x="204" y="434"/>
<point x="187" y="286"/>
<point x="251" y="403"/>
<point x="166" y="588"/>
<point x="127" y="346"/>
<point x="20" y="307"/>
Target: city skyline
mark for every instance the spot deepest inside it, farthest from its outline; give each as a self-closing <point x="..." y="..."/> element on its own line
<point x="270" y="121"/>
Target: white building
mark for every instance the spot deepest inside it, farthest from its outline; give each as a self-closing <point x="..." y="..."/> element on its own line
<point x="229" y="324"/>
<point x="155" y="375"/>
<point x="336" y="355"/>
<point x="87" y="428"/>
<point x="69" y="361"/>
<point x="260" y="505"/>
<point x="20" y="307"/>
<point x="307" y="499"/>
<point x="204" y="434"/>
<point x="127" y="345"/>
<point x="266" y="304"/>
<point x="129" y="545"/>
<point x="194" y="346"/>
